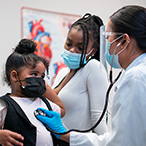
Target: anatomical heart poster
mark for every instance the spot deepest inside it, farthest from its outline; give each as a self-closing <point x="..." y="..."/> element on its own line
<point x="49" y="31"/>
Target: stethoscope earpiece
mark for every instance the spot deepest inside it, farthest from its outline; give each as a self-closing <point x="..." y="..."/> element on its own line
<point x="123" y="42"/>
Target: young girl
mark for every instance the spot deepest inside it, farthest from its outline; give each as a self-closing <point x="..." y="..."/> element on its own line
<point x="24" y="73"/>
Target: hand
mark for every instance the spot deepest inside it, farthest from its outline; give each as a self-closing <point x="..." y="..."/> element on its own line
<point x="53" y="120"/>
<point x="9" y="138"/>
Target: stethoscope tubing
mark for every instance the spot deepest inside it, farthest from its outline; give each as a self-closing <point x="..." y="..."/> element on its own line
<point x="100" y="118"/>
<point x="105" y="105"/>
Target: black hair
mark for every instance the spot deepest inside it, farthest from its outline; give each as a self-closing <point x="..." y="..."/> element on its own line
<point x="90" y="24"/>
<point x="23" y="55"/>
<point x="131" y="19"/>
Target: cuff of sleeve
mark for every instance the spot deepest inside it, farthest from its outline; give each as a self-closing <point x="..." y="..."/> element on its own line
<point x="73" y="137"/>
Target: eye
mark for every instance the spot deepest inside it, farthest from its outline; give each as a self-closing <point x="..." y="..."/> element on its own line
<point x="107" y="34"/>
<point x="80" y="48"/>
<point x="43" y="76"/>
<point x="34" y="74"/>
<point x="107" y="37"/>
<point x="68" y="44"/>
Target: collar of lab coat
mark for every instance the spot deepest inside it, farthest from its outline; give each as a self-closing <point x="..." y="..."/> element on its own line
<point x="134" y="63"/>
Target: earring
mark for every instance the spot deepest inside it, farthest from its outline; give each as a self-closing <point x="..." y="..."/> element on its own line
<point x="89" y="57"/>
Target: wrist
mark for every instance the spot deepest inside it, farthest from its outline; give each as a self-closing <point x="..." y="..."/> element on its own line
<point x="65" y="137"/>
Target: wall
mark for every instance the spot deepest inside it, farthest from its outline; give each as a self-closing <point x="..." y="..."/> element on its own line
<point x="10" y="16"/>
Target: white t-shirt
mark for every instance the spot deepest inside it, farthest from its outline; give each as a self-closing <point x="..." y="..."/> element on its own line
<point x="84" y="96"/>
<point x="29" y="105"/>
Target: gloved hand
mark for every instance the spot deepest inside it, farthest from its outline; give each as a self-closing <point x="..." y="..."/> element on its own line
<point x="52" y="120"/>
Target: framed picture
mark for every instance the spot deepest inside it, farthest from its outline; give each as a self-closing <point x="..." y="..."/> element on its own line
<point x="49" y="30"/>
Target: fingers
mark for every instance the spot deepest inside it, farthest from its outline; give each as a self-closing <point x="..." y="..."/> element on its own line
<point x="9" y="138"/>
<point x="44" y="120"/>
<point x="43" y="110"/>
<point x="17" y="136"/>
<point x="15" y="142"/>
<point x="16" y="139"/>
<point x="47" y="112"/>
<point x="41" y="118"/>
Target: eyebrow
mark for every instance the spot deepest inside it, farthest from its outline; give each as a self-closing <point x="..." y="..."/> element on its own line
<point x="69" y="39"/>
<point x="72" y="41"/>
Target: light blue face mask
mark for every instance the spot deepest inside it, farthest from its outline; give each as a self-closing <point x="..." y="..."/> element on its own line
<point x="115" y="58"/>
<point x="72" y="60"/>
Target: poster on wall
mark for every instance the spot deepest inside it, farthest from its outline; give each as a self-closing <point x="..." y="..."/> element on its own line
<point x="49" y="31"/>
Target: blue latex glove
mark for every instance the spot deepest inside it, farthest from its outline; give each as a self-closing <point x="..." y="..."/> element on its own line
<point x="52" y="120"/>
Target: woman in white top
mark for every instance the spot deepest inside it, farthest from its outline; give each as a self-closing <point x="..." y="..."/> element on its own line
<point x="82" y="85"/>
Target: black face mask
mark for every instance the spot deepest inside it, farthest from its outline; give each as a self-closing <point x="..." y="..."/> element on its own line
<point x="35" y="87"/>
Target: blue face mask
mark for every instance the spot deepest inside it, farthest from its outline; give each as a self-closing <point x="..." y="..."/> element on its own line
<point x="72" y="60"/>
<point x="109" y="57"/>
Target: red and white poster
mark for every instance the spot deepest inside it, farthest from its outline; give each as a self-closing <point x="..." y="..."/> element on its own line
<point x="49" y="31"/>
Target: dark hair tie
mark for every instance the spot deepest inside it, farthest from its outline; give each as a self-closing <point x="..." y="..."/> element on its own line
<point x="97" y="20"/>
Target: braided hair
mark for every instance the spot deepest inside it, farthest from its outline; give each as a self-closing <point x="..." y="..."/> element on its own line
<point x="90" y="24"/>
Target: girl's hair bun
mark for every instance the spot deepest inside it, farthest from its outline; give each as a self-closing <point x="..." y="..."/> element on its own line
<point x="26" y="46"/>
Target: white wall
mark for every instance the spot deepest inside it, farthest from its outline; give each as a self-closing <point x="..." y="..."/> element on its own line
<point x="10" y="17"/>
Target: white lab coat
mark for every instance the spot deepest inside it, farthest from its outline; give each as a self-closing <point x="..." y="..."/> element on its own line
<point x="128" y="112"/>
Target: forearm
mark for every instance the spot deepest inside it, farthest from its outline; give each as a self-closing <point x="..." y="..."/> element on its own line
<point x="51" y="95"/>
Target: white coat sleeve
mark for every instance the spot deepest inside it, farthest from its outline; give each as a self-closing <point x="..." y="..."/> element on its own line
<point x="87" y="139"/>
<point x="97" y="84"/>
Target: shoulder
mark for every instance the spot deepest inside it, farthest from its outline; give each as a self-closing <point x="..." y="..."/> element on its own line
<point x="133" y="78"/>
<point x="61" y="74"/>
<point x="137" y="69"/>
<point x="63" y="70"/>
<point x="93" y="62"/>
<point x="95" y="66"/>
<point x="138" y="72"/>
<point x="5" y="96"/>
<point x="2" y="105"/>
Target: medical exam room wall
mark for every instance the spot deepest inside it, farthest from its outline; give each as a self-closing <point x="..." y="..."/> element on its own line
<point x="10" y="21"/>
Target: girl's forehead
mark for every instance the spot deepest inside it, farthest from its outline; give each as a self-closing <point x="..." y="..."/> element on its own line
<point x="40" y="65"/>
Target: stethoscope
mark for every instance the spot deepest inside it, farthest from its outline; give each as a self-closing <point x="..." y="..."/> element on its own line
<point x="40" y="112"/>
